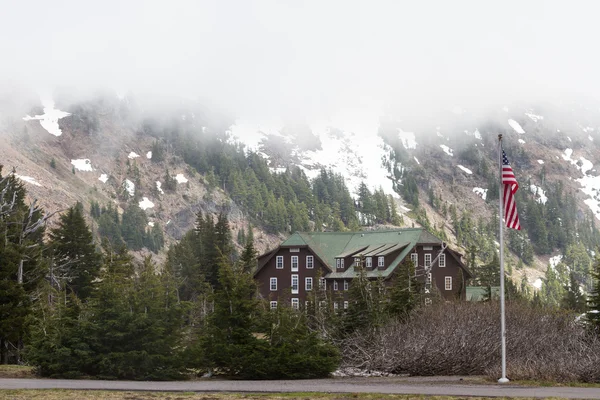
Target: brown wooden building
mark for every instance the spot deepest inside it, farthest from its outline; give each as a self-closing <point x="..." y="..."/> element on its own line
<point x="307" y="261"/>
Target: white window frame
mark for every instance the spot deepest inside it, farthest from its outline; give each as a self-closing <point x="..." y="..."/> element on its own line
<point x="427" y="259"/>
<point x="428" y="281"/>
<point x="335" y="305"/>
<point x="341" y="263"/>
<point x="335" y="286"/>
<point x="338" y="263"/>
<point x="442" y="261"/>
<point x="295" y="303"/>
<point x="346" y="305"/>
<point x="272" y="287"/>
<point x="308" y="284"/>
<point x="346" y="284"/>
<point x="279" y="262"/>
<point x="369" y="262"/>
<point x="414" y="257"/>
<point x="447" y="283"/>
<point x="295" y="264"/>
<point x="357" y="261"/>
<point x="273" y="305"/>
<point x="295" y="278"/>
<point x="381" y="261"/>
<point x="310" y="262"/>
<point x="322" y="283"/>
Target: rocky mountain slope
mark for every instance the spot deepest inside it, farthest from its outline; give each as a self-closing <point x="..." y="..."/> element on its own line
<point x="101" y="150"/>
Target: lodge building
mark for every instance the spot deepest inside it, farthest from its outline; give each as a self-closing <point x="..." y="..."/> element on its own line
<point x="307" y="261"/>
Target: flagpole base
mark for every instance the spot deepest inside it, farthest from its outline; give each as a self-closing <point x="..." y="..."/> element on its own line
<point x="503" y="380"/>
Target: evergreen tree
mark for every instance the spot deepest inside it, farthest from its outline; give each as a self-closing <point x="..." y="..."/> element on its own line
<point x="573" y="298"/>
<point x="406" y="291"/>
<point x="75" y="262"/>
<point x="593" y="314"/>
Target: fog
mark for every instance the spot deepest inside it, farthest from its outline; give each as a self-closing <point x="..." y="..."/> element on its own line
<point x="306" y="60"/>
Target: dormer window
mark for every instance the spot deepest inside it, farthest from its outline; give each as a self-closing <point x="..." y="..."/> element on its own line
<point x="339" y="263"/>
<point x="369" y="262"/>
<point x="357" y="261"/>
<point x="380" y="261"/>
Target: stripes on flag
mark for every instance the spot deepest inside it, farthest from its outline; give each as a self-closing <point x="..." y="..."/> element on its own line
<point x="511" y="217"/>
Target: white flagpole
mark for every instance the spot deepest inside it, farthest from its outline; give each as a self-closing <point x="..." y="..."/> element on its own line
<point x="503" y="379"/>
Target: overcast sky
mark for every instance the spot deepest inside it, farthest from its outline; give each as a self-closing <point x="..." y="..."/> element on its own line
<point x="306" y="58"/>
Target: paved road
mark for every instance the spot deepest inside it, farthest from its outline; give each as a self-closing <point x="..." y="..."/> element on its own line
<point x="340" y="385"/>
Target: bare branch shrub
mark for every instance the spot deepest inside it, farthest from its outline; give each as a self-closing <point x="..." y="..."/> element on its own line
<point x="464" y="339"/>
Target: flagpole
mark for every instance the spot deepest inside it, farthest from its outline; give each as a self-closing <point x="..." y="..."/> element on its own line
<point x="503" y="379"/>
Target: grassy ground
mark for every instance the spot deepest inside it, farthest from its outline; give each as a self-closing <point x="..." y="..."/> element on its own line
<point x="54" y="394"/>
<point x="16" y="371"/>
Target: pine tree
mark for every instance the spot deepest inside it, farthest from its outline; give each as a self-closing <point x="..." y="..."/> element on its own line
<point x="75" y="262"/>
<point x="573" y="298"/>
<point x="406" y="291"/>
<point x="593" y="314"/>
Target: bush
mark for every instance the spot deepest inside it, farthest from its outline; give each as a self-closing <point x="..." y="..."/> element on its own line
<point x="464" y="339"/>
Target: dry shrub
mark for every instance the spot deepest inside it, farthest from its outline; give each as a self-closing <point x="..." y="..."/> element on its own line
<point x="464" y="339"/>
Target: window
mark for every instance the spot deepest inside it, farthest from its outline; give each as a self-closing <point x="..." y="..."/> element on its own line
<point x="294" y="250"/>
<point x="335" y="305"/>
<point x="428" y="259"/>
<point x="279" y="262"/>
<point x="322" y="283"/>
<point x="294" y="284"/>
<point x="442" y="261"/>
<point x="414" y="257"/>
<point x="357" y="261"/>
<point x="294" y="263"/>
<point x="341" y="263"/>
<point x="380" y="261"/>
<point x="428" y="281"/>
<point x="310" y="262"/>
<point x="335" y="285"/>
<point x="346" y="284"/>
<point x="308" y="284"/>
<point x="369" y="262"/>
<point x="427" y="247"/>
<point x="273" y="284"/>
<point x="295" y="303"/>
<point x="448" y="283"/>
<point x="345" y="305"/>
<point x="338" y="263"/>
<point x="273" y="305"/>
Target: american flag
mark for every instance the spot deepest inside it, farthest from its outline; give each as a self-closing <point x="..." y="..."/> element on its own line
<point x="511" y="217"/>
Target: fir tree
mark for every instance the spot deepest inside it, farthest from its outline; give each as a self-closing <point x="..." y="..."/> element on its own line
<point x="593" y="314"/>
<point x="75" y="262"/>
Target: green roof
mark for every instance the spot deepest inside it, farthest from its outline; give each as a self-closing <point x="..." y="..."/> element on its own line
<point x="328" y="245"/>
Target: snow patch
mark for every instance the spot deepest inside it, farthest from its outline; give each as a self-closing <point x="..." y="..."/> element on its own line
<point x="591" y="138"/>
<point x="408" y="139"/>
<point x="103" y="178"/>
<point x="151" y="224"/>
<point x="480" y="192"/>
<point x="537" y="284"/>
<point x="49" y="120"/>
<point x="145" y="203"/>
<point x="586" y="165"/>
<point x="129" y="187"/>
<point x="417" y="160"/>
<point x="515" y="125"/>
<point x="133" y="155"/>
<point x="521" y="141"/>
<point x="540" y="161"/>
<point x="569" y="139"/>
<point x="180" y="178"/>
<point x="466" y="170"/>
<point x="82" y="164"/>
<point x="534" y="117"/>
<point x="149" y="155"/>
<point x="553" y="261"/>
<point x="28" y="179"/>
<point x="447" y="149"/>
<point x="158" y="187"/>
<point x="542" y="198"/>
